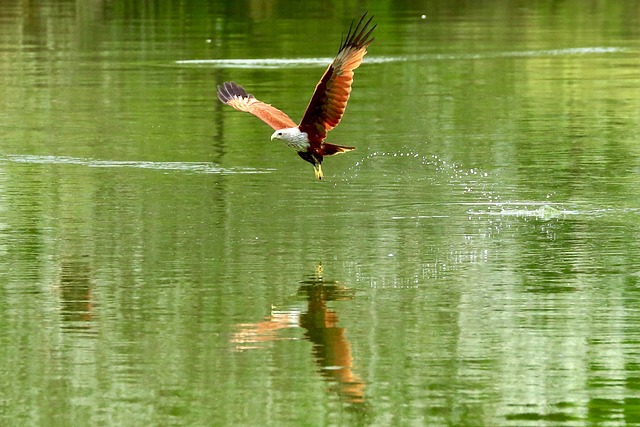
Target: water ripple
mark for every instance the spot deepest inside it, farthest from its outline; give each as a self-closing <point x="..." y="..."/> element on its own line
<point x="278" y="62"/>
<point x="195" y="167"/>
<point x="262" y="63"/>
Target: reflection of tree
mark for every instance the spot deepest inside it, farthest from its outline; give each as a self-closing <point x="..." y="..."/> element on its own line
<point x="331" y="349"/>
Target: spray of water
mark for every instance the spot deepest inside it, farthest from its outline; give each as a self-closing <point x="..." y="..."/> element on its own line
<point x="480" y="191"/>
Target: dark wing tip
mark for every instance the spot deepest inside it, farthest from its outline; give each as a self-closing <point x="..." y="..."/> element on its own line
<point x="228" y="90"/>
<point x="360" y="36"/>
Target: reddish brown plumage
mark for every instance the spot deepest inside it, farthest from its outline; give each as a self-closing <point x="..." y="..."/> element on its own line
<point x="330" y="97"/>
<point x="235" y="96"/>
<point x="327" y="104"/>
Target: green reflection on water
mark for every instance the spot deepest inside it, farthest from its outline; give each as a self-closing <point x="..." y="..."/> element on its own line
<point x="479" y="248"/>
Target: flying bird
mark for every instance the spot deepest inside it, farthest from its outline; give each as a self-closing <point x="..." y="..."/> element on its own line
<point x="325" y="109"/>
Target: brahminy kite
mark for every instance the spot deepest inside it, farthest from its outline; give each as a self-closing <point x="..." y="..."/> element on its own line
<point x="325" y="109"/>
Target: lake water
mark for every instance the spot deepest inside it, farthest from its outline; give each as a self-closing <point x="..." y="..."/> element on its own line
<point x="476" y="261"/>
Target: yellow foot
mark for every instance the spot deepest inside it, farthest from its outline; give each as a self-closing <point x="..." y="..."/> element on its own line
<point x="317" y="168"/>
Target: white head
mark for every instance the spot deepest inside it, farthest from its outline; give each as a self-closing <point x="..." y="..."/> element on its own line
<point x="293" y="137"/>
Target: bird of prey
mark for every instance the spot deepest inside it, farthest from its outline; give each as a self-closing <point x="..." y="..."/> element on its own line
<point x="325" y="109"/>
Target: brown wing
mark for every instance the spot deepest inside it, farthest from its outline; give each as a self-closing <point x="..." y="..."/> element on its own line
<point x="235" y="96"/>
<point x="330" y="98"/>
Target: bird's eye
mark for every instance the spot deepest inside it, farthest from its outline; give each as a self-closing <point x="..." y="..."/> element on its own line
<point x="279" y="133"/>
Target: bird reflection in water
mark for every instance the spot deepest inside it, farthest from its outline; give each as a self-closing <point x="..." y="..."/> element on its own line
<point x="331" y="349"/>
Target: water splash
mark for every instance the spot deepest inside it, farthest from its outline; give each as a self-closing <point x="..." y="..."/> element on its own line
<point x="473" y="188"/>
<point x="545" y="211"/>
<point x="467" y="180"/>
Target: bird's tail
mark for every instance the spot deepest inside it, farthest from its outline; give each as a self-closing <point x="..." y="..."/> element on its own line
<point x="331" y="149"/>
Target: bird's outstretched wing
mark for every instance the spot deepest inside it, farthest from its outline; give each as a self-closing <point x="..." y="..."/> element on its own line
<point x="330" y="98"/>
<point x="235" y="96"/>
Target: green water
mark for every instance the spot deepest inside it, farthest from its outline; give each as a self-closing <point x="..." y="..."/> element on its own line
<point x="474" y="262"/>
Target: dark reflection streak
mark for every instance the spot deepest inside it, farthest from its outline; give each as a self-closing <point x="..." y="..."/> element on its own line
<point x="75" y="294"/>
<point x="33" y="26"/>
<point x="331" y="348"/>
<point x="218" y="138"/>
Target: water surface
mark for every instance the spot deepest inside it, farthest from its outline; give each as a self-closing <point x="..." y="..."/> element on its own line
<point x="473" y="262"/>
